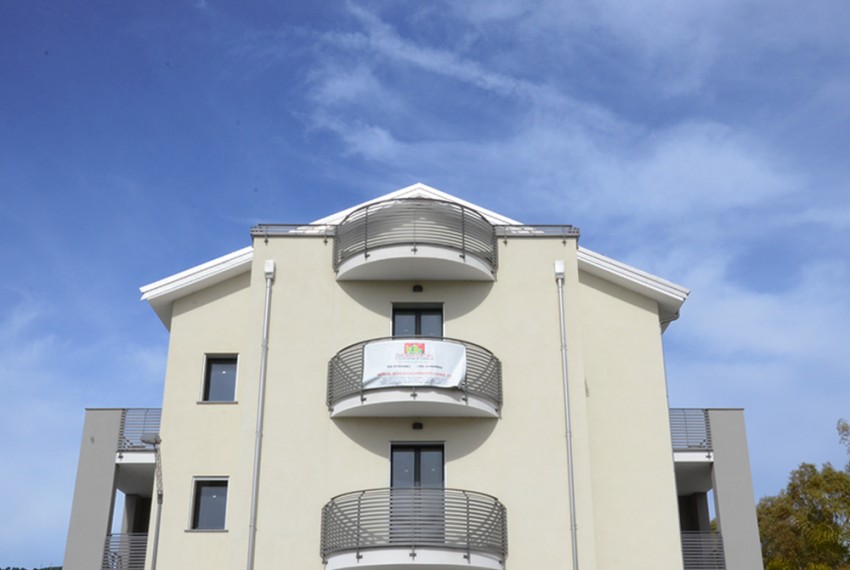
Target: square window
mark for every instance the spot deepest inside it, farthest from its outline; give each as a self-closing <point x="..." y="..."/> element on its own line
<point x="210" y="504"/>
<point x="220" y="379"/>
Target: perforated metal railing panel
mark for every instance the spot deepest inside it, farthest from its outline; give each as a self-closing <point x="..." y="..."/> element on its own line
<point x="125" y="551"/>
<point x="690" y="429"/>
<point x="135" y="422"/>
<point x="703" y="550"/>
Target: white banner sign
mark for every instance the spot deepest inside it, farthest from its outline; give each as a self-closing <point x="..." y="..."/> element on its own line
<point x="413" y="362"/>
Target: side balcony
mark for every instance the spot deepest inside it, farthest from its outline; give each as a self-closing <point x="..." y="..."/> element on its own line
<point x="415" y="238"/>
<point x="713" y="481"/>
<point x="112" y="497"/>
<point x="125" y="551"/>
<point x="693" y="453"/>
<point x="414" y="377"/>
<point x="429" y="529"/>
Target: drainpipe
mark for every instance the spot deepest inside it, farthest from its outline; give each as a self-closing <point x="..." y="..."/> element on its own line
<point x="559" y="280"/>
<point x="268" y="270"/>
<point x="154" y="440"/>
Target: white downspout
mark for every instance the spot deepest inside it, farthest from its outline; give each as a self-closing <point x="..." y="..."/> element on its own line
<point x="261" y="401"/>
<point x="559" y="279"/>
<point x="154" y="440"/>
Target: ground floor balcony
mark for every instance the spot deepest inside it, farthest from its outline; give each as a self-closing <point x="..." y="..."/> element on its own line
<point x="414" y="377"/>
<point x="703" y="550"/>
<point x="125" y="551"/>
<point x="400" y="528"/>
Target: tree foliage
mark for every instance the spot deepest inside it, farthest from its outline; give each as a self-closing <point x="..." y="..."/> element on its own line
<point x="807" y="526"/>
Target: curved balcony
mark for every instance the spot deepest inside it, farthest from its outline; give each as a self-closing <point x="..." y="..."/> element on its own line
<point x="414" y="377"/>
<point x="415" y="238"/>
<point x="431" y="529"/>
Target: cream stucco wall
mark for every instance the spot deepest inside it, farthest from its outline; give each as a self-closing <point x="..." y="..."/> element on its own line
<point x="634" y="489"/>
<point x="623" y="464"/>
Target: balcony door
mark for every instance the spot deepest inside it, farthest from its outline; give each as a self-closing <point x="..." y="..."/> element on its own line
<point x="417" y="481"/>
<point x="417" y="321"/>
<point x="417" y="466"/>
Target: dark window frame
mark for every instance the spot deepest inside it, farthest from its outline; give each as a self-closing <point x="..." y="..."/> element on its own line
<point x="199" y="516"/>
<point x="417" y="449"/>
<point x="211" y="361"/>
<point x="417" y="312"/>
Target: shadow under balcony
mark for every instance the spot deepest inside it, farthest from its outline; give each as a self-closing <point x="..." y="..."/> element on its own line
<point x="414" y="377"/>
<point x="431" y="529"/>
<point x="415" y="238"/>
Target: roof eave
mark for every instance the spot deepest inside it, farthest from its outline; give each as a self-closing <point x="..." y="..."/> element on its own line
<point x="161" y="294"/>
<point x="669" y="296"/>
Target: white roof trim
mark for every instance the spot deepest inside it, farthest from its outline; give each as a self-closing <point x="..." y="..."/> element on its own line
<point x="161" y="294"/>
<point x="669" y="296"/>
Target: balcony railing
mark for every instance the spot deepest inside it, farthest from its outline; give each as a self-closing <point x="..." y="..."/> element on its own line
<point x="690" y="429"/>
<point x="483" y="378"/>
<point x="415" y="222"/>
<point x="703" y="550"/>
<point x="125" y="551"/>
<point x="450" y="519"/>
<point x="135" y="422"/>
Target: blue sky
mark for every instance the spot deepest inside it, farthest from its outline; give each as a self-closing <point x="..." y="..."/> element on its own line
<point x="705" y="142"/>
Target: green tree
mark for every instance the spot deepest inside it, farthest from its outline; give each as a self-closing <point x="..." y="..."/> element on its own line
<point x="807" y="525"/>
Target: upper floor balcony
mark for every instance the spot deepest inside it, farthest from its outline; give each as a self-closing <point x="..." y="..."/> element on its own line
<point x="690" y="429"/>
<point x="429" y="529"/>
<point x="415" y="238"/>
<point x="414" y="377"/>
<point x="137" y="426"/>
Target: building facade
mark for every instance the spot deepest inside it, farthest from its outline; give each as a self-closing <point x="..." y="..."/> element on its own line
<point x="415" y="382"/>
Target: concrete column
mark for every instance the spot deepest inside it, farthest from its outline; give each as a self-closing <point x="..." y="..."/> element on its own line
<point x="733" y="491"/>
<point x="94" y="493"/>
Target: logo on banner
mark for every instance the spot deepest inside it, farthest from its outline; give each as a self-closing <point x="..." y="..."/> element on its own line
<point x="414" y="348"/>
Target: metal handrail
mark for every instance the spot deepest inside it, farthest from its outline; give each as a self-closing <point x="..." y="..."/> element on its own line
<point x="690" y="429"/>
<point x="135" y="422"/>
<point x="394" y="517"/>
<point x="414" y="222"/>
<point x="125" y="551"/>
<point x="703" y="550"/>
<point x="483" y="371"/>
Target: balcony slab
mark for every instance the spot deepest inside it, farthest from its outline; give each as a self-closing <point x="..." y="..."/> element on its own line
<point x="426" y="558"/>
<point x="424" y="262"/>
<point x="418" y="402"/>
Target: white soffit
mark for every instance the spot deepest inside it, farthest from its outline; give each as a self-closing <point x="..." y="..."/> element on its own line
<point x="161" y="294"/>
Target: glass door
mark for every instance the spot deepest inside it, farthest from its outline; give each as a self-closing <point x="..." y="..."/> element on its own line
<point x="418" y="321"/>
<point x="417" y="481"/>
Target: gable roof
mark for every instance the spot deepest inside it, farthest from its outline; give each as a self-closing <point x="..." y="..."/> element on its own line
<point x="162" y="294"/>
<point x="420" y="190"/>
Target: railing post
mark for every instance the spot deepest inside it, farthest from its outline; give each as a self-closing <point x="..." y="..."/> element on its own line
<point x="362" y="360"/>
<point x="366" y="234"/>
<point x="468" y="533"/>
<point x="359" y="530"/>
<point x="462" y="232"/>
<point x="413" y="219"/>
